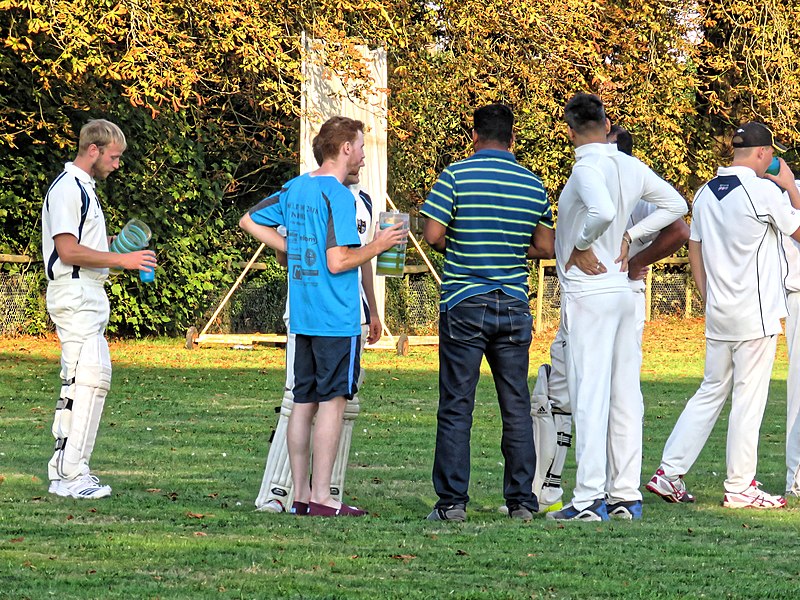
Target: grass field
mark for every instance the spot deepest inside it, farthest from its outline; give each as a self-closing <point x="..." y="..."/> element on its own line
<point x="183" y="444"/>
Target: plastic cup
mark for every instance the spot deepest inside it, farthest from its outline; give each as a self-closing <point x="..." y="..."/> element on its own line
<point x="147" y="275"/>
<point x="133" y="237"/>
<point x="392" y="262"/>
<point x="774" y="167"/>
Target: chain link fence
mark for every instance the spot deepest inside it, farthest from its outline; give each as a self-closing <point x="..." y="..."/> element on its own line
<point x="22" y="303"/>
<point x="257" y="306"/>
<point x="412" y="301"/>
<point x="670" y="291"/>
<point x="412" y="304"/>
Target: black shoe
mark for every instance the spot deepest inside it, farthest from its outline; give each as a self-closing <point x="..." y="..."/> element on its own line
<point x="518" y="511"/>
<point x="449" y="512"/>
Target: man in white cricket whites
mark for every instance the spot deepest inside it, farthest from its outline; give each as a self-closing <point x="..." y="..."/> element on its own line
<point x="735" y="256"/>
<point x="550" y="406"/>
<point x="597" y="308"/>
<point x="76" y="257"/>
<point x="276" y="490"/>
<point x="791" y="281"/>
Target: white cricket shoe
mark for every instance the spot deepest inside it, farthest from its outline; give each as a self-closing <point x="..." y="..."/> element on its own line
<point x="83" y="486"/>
<point x="753" y="497"/>
<point x="273" y="506"/>
<point x="671" y="489"/>
<point x="54" y="484"/>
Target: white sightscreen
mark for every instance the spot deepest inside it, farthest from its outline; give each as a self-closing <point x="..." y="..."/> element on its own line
<point x="325" y="95"/>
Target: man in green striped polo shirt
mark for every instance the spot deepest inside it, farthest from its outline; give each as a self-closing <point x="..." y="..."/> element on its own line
<point x="488" y="215"/>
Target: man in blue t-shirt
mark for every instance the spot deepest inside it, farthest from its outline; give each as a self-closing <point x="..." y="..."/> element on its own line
<point x="489" y="215"/>
<point x="324" y="253"/>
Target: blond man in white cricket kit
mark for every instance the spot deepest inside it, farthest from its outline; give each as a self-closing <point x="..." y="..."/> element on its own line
<point x="734" y="251"/>
<point x="550" y="406"/>
<point x="597" y="311"/>
<point x="76" y="258"/>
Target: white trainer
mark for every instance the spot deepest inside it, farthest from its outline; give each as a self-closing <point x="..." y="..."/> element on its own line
<point x="54" y="484"/>
<point x="273" y="506"/>
<point x="84" y="486"/>
<point x="753" y="497"/>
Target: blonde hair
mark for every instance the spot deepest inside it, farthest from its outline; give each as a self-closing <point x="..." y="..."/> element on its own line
<point x="101" y="133"/>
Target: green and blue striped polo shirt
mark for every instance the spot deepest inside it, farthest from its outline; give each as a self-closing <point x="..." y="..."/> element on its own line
<point x="490" y="205"/>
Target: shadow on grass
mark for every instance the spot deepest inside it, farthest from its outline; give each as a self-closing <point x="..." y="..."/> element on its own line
<point x="184" y="447"/>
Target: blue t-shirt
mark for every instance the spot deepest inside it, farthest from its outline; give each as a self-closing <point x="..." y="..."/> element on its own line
<point x="490" y="205"/>
<point x="318" y="213"/>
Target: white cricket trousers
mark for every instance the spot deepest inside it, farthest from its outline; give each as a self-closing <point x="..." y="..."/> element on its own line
<point x="793" y="395"/>
<point x="745" y="368"/>
<point x="79" y="308"/>
<point x="602" y="364"/>
<point x="557" y="381"/>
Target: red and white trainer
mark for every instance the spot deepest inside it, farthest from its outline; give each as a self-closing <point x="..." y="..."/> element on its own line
<point x="753" y="497"/>
<point x="670" y="490"/>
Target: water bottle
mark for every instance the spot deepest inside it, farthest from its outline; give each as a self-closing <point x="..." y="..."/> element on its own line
<point x="147" y="275"/>
<point x="774" y="167"/>
<point x="133" y="237"/>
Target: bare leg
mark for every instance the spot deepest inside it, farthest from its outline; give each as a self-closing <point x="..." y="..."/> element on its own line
<point x="298" y="440"/>
<point x="327" y="430"/>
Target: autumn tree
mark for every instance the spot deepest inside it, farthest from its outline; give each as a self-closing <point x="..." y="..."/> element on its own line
<point x="208" y="92"/>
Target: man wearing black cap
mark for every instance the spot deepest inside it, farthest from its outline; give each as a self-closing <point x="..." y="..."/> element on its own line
<point x="735" y="260"/>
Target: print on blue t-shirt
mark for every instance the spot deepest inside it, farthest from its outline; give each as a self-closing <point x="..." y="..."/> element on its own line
<point x="318" y="213"/>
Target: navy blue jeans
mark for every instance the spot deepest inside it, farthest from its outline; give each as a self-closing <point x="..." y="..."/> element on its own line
<point x="497" y="326"/>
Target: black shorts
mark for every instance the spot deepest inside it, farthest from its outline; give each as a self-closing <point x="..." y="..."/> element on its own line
<point x="325" y="367"/>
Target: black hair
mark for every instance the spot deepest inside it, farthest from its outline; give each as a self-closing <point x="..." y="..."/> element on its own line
<point x="585" y="112"/>
<point x="624" y="139"/>
<point x="494" y="123"/>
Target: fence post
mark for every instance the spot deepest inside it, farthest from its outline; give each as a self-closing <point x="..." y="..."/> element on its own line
<point x="687" y="313"/>
<point x="537" y="325"/>
<point x="648" y="294"/>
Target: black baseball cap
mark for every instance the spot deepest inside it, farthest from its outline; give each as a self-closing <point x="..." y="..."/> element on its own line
<point x="754" y="134"/>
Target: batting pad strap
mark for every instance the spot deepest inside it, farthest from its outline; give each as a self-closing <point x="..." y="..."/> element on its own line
<point x="287" y="403"/>
<point x="564" y="439"/>
<point x="63" y="417"/>
<point x="352" y="408"/>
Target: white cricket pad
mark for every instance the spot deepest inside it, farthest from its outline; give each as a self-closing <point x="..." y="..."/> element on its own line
<point x="544" y="430"/>
<point x="276" y="490"/>
<point x="552" y="437"/>
<point x="551" y="487"/>
<point x="351" y="411"/>
<point x="78" y="426"/>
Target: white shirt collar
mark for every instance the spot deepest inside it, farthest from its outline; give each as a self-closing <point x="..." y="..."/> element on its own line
<point x="740" y="170"/>
<point x="79" y="173"/>
<point x="595" y="148"/>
